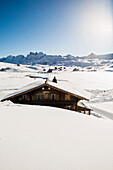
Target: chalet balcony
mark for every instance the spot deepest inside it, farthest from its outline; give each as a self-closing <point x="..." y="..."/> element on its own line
<point x="48" y="102"/>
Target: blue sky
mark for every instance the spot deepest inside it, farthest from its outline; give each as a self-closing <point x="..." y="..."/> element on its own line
<point x="56" y="26"/>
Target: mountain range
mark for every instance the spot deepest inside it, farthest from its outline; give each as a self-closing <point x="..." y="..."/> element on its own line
<point x="32" y="58"/>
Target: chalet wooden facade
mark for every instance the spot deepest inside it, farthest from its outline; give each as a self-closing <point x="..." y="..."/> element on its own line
<point x="48" y="94"/>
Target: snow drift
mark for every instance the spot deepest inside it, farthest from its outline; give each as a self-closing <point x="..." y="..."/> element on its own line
<point x="36" y="137"/>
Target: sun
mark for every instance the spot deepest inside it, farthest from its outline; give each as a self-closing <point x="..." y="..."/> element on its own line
<point x="100" y="26"/>
<point x="97" y="25"/>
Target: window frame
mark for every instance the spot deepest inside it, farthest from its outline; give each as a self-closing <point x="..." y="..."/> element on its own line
<point x="37" y="97"/>
<point x="24" y="96"/>
<point x="53" y="98"/>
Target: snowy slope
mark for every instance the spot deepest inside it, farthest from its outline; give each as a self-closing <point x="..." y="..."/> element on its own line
<point x="35" y="137"/>
<point x="97" y="86"/>
<point x="91" y="61"/>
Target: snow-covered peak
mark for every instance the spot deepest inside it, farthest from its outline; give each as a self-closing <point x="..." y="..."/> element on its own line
<point x="91" y="54"/>
<point x="34" y="58"/>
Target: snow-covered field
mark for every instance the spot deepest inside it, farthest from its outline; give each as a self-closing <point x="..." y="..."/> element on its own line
<point x="46" y="138"/>
<point x="35" y="137"/>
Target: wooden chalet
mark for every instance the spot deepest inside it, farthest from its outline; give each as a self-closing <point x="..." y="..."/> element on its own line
<point x="48" y="94"/>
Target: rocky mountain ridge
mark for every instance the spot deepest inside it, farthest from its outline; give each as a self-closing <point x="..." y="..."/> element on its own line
<point x="68" y="60"/>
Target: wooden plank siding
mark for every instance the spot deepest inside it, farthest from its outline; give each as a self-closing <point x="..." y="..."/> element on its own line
<point x="61" y="100"/>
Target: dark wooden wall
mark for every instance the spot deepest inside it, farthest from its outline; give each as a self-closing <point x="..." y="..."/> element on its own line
<point x="62" y="100"/>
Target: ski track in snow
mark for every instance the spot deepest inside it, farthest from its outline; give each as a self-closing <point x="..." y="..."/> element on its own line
<point x="101" y="95"/>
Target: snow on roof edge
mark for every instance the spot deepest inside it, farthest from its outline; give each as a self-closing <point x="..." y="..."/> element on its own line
<point x="34" y="85"/>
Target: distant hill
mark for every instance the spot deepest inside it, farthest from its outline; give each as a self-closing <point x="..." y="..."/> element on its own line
<point x="68" y="60"/>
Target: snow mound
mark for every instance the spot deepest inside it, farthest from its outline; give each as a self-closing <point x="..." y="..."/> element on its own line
<point x="35" y="137"/>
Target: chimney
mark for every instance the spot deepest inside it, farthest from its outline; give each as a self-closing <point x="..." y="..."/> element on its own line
<point x="54" y="80"/>
<point x="46" y="81"/>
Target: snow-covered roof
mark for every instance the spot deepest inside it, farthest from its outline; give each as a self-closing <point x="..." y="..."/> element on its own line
<point x="23" y="90"/>
<point x="64" y="86"/>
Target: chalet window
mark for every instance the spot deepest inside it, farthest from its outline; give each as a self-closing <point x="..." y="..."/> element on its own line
<point x="38" y="97"/>
<point x="53" y="96"/>
<point x="24" y="97"/>
<point x="67" y="97"/>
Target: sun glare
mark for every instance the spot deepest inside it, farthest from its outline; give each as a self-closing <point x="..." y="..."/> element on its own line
<point x="96" y="25"/>
<point x="100" y="25"/>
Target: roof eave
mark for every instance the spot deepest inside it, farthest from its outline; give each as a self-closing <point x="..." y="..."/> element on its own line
<point x="46" y="83"/>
